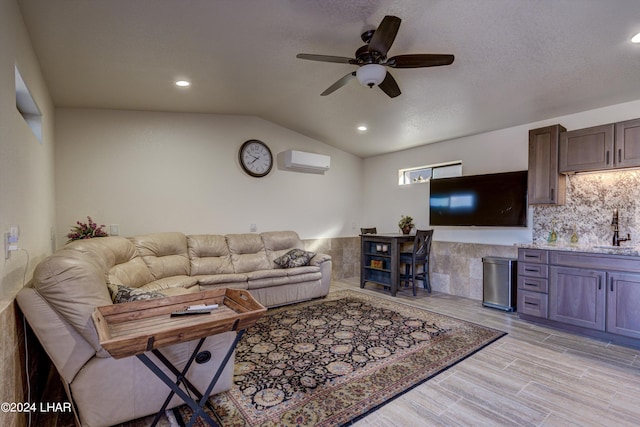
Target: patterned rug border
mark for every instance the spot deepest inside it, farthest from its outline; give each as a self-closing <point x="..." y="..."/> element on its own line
<point x="502" y="334"/>
<point x="349" y="292"/>
<point x="379" y="301"/>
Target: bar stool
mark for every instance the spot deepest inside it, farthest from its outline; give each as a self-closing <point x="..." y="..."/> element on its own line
<point x="419" y="256"/>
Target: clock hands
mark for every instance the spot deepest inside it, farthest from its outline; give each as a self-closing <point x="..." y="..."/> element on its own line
<point x="254" y="159"/>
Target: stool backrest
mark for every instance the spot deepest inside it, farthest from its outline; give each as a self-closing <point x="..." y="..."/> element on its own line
<point x="422" y="243"/>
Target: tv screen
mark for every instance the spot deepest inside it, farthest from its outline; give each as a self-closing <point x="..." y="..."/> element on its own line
<point x="494" y="200"/>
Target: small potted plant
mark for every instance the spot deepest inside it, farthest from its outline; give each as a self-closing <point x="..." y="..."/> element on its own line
<point x="405" y="224"/>
<point x="86" y="231"/>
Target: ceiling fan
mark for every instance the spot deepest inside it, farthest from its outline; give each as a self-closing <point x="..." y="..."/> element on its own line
<point x="372" y="58"/>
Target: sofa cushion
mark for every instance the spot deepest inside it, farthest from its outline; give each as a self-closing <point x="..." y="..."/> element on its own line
<point x="165" y="254"/>
<point x="294" y="258"/>
<point x="121" y="294"/>
<point x="270" y="278"/>
<point x="263" y="274"/>
<point x="277" y="243"/>
<point x="298" y="271"/>
<point x="133" y="273"/>
<point x="120" y="258"/>
<point x="247" y="253"/>
<point x="217" y="279"/>
<point x="209" y="254"/>
<point x="166" y="283"/>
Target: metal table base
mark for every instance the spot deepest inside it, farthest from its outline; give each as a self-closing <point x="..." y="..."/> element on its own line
<point x="180" y="378"/>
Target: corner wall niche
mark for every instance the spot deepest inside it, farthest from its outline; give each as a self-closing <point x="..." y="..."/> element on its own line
<point x="27" y="106"/>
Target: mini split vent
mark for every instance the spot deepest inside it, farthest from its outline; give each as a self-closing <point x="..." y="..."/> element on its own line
<point x="306" y="162"/>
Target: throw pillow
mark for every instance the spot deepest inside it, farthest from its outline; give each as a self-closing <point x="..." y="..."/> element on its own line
<point x="294" y="258"/>
<point x="120" y="294"/>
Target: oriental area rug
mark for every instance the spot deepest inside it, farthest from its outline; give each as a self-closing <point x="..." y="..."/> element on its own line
<point x="329" y="362"/>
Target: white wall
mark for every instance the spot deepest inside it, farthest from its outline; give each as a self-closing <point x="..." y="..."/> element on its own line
<point x="153" y="171"/>
<point x="26" y="196"/>
<point x="26" y="165"/>
<point x="499" y="151"/>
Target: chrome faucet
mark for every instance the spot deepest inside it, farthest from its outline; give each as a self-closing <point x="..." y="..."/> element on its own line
<point x="616" y="230"/>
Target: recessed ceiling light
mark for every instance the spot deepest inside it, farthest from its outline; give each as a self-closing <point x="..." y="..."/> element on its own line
<point x="183" y="83"/>
<point x="362" y="128"/>
<point x="636" y="38"/>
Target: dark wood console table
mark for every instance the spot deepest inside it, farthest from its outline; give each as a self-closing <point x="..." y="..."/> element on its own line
<point x="380" y="254"/>
<point x="134" y="328"/>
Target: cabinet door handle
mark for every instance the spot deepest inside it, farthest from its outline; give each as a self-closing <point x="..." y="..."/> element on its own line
<point x="611" y="284"/>
<point x="599" y="282"/>
<point x="531" y="270"/>
<point x="530" y="256"/>
<point x="619" y="155"/>
<point x="607" y="157"/>
<point x="552" y="195"/>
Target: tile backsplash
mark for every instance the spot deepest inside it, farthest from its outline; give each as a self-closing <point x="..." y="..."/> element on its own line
<point x="591" y="200"/>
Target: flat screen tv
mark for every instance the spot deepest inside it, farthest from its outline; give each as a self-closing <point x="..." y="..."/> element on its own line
<point x="494" y="200"/>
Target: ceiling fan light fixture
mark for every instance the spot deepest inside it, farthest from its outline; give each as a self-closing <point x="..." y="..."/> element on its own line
<point x="371" y="74"/>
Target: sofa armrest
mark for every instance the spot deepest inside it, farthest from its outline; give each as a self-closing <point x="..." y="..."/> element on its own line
<point x="324" y="262"/>
<point x="66" y="348"/>
<point x="319" y="259"/>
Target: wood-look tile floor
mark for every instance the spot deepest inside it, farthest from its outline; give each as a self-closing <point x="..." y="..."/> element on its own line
<point x="534" y="376"/>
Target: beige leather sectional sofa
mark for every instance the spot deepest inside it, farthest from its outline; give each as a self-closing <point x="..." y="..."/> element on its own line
<point x="68" y="285"/>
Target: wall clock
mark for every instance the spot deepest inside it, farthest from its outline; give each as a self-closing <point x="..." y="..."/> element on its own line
<point x="255" y="158"/>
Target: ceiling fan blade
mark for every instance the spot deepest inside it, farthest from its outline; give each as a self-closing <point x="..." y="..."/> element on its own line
<point x="337" y="85"/>
<point x="327" y="58"/>
<point x="389" y="86"/>
<point x="419" y="60"/>
<point x="385" y="35"/>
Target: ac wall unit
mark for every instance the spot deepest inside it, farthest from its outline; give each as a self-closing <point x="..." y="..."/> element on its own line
<point x="299" y="160"/>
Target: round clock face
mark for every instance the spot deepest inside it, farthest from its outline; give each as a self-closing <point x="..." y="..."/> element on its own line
<point x="255" y="158"/>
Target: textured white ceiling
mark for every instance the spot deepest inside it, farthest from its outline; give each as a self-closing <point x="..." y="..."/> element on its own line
<point x="517" y="61"/>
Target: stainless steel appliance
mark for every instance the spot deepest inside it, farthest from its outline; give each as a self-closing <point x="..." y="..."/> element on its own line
<point x="499" y="279"/>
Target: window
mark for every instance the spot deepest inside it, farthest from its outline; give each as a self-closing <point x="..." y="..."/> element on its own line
<point x="425" y="173"/>
<point x="27" y="106"/>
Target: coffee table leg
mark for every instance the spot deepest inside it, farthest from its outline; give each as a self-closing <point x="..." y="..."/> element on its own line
<point x="197" y="407"/>
<point x="198" y="410"/>
<point x="180" y="376"/>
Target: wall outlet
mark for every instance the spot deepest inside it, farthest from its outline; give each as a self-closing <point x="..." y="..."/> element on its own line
<point x="253" y="228"/>
<point x="14" y="233"/>
<point x="10" y="244"/>
<point x="114" y="230"/>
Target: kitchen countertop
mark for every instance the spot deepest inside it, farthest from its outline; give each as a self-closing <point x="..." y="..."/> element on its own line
<point x="628" y="250"/>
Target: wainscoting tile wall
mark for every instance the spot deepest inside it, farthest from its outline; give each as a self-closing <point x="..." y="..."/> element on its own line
<point x="456" y="268"/>
<point x="344" y="251"/>
<point x="12" y="352"/>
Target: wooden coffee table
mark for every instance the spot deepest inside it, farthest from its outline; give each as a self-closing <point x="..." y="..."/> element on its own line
<point x="134" y="328"/>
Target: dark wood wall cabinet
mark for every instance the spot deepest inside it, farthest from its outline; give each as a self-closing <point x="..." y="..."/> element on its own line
<point x="546" y="184"/>
<point x="605" y="147"/>
<point x="589" y="293"/>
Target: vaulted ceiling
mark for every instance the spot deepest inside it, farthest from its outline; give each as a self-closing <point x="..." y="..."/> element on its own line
<point x="516" y="62"/>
